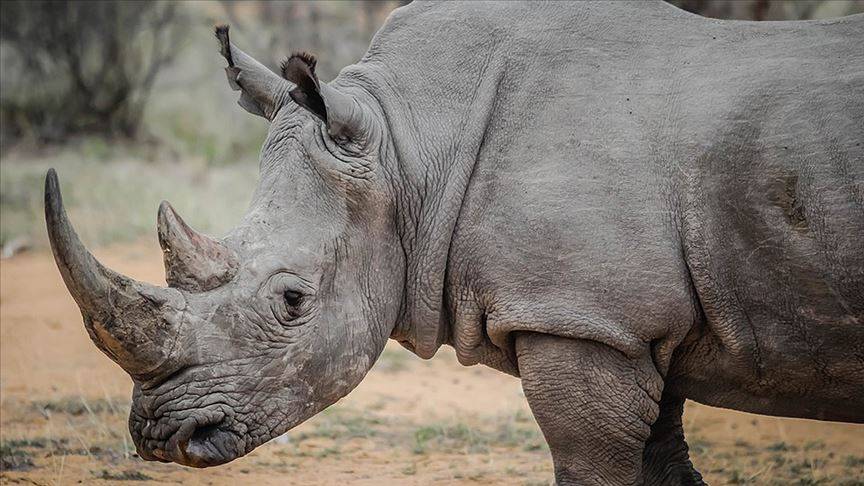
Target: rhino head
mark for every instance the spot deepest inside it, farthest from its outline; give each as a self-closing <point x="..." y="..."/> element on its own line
<point x="262" y="329"/>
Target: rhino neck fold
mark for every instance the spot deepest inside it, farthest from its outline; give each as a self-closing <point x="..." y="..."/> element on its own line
<point x="436" y="143"/>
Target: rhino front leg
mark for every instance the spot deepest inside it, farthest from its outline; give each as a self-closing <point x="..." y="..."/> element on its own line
<point x="594" y="405"/>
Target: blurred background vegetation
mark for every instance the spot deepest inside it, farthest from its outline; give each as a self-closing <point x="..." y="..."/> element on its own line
<point x="128" y="100"/>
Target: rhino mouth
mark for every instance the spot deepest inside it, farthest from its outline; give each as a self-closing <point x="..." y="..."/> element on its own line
<point x="210" y="445"/>
<point x="198" y="442"/>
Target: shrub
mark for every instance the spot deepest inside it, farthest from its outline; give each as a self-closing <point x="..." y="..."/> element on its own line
<point x="81" y="67"/>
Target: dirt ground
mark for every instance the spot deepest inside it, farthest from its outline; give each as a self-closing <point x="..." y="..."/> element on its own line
<point x="64" y="409"/>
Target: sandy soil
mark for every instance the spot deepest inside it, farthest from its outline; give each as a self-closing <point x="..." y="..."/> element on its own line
<point x="64" y="411"/>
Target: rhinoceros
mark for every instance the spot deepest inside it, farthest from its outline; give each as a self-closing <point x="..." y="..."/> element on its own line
<point x="624" y="204"/>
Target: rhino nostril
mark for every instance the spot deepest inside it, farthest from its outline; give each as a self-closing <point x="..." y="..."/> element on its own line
<point x="205" y="432"/>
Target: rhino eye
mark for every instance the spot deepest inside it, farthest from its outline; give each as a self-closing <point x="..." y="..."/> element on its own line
<point x="292" y="298"/>
<point x="288" y="298"/>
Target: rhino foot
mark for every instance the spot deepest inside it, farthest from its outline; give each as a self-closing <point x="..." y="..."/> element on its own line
<point x="665" y="460"/>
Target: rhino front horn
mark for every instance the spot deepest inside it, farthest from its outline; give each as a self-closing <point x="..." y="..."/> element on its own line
<point x="193" y="262"/>
<point x="132" y="322"/>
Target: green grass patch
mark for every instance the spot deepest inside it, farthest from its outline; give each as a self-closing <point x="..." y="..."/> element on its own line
<point x="122" y="476"/>
<point x="781" y="447"/>
<point x="853" y="461"/>
<point x="337" y="423"/>
<point x="14" y="457"/>
<point x="503" y="432"/>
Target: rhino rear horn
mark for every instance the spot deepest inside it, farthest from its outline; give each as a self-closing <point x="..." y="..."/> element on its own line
<point x="132" y="322"/>
<point x="193" y="262"/>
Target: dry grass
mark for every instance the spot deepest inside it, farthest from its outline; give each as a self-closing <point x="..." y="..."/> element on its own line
<point x="112" y="193"/>
<point x="83" y="439"/>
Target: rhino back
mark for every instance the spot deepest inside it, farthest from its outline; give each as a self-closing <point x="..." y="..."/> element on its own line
<point x="647" y="175"/>
<point x="633" y="174"/>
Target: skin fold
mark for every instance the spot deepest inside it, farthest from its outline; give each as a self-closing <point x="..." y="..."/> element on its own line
<point x="623" y="204"/>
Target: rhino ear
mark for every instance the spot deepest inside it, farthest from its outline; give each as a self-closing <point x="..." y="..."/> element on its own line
<point x="263" y="92"/>
<point x="345" y="117"/>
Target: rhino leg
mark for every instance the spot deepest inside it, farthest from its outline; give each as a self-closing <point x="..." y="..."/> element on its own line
<point x="665" y="460"/>
<point x="594" y="405"/>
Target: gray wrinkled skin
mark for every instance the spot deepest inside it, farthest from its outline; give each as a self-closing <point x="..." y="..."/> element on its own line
<point x="624" y="204"/>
